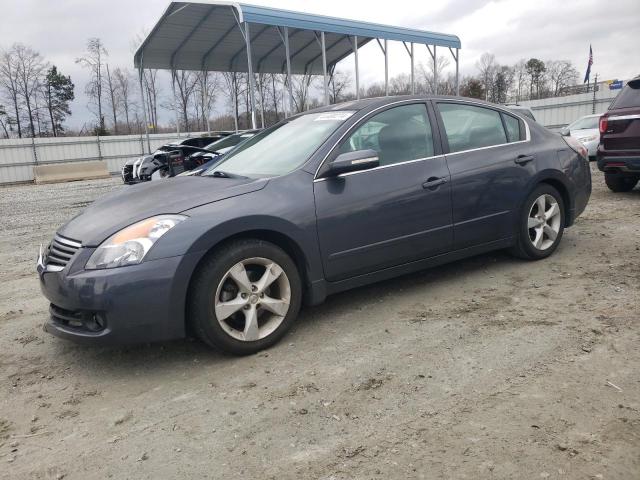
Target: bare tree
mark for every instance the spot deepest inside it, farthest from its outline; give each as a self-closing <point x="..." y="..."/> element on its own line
<point x="123" y="82"/>
<point x="339" y="84"/>
<point x="276" y="93"/>
<point x="427" y="74"/>
<point x="152" y="94"/>
<point x="30" y="68"/>
<point x="302" y="85"/>
<point x="374" y="90"/>
<point x="487" y="66"/>
<point x="93" y="60"/>
<point x="234" y="83"/>
<point x="519" y="78"/>
<point x="9" y="82"/>
<point x="205" y="95"/>
<point x="4" y="121"/>
<point x="184" y="82"/>
<point x="400" y="84"/>
<point x="560" y="74"/>
<point x="113" y="97"/>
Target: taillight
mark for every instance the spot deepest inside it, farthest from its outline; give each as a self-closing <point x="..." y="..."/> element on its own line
<point x="603" y="124"/>
<point x="576" y="146"/>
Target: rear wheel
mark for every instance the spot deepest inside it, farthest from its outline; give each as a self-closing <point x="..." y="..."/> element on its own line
<point x="245" y="297"/>
<point x="620" y="183"/>
<point x="541" y="224"/>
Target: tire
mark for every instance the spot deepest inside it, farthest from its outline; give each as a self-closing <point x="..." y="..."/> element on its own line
<point x="535" y="231"/>
<point x="215" y="291"/>
<point x="620" y="183"/>
<point x="159" y="174"/>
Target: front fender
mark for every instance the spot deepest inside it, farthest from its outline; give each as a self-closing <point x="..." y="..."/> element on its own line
<point x="285" y="207"/>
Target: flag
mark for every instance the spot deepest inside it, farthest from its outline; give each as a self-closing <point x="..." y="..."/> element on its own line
<point x="589" y="63"/>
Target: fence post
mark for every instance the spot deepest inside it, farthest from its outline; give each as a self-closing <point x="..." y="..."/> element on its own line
<point x="35" y="153"/>
<point x="99" y="149"/>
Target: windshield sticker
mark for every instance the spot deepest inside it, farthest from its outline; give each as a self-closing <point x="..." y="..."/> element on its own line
<point x="333" y="116"/>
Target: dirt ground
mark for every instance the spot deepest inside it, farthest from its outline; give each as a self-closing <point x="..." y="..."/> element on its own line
<point x="490" y="367"/>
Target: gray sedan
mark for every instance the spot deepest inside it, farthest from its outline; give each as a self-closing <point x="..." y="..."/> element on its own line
<point x="325" y="201"/>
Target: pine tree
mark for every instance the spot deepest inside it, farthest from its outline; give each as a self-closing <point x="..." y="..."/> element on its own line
<point x="58" y="94"/>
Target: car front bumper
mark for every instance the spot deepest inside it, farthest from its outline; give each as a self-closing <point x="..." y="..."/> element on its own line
<point x="133" y="304"/>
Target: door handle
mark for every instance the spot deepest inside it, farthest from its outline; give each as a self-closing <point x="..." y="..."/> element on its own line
<point x="523" y="159"/>
<point x="434" y="182"/>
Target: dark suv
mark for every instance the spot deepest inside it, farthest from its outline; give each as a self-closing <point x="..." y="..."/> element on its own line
<point x="619" y="149"/>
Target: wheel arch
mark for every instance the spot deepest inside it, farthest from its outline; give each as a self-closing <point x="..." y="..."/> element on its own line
<point x="284" y="240"/>
<point x="562" y="185"/>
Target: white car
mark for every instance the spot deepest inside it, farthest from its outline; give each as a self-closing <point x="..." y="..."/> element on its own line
<point x="586" y="131"/>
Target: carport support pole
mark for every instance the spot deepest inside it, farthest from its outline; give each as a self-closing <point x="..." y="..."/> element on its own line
<point x="234" y="85"/>
<point x="175" y="102"/>
<point x="457" y="72"/>
<point x="386" y="69"/>
<point x="288" y="54"/>
<point x="355" y="53"/>
<point x="144" y="107"/>
<point x="324" y="69"/>
<point x="252" y="85"/>
<point x="413" y="71"/>
<point x="435" y="72"/>
<point x="205" y="89"/>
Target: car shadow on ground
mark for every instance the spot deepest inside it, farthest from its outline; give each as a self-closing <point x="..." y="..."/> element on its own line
<point x="191" y="354"/>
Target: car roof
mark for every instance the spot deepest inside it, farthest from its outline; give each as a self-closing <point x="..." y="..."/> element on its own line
<point x="375" y="102"/>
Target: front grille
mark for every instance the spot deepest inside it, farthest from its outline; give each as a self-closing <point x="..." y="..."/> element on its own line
<point x="127" y="172"/>
<point x="61" y="250"/>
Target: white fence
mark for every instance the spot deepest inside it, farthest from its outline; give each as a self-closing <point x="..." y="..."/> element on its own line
<point x="557" y="112"/>
<point x="18" y="156"/>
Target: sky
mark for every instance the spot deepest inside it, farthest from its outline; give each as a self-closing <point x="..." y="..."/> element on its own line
<point x="510" y="29"/>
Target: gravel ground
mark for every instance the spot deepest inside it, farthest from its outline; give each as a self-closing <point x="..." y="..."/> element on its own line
<point x="486" y="368"/>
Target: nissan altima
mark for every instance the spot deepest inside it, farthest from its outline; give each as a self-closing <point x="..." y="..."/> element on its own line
<point x="322" y="202"/>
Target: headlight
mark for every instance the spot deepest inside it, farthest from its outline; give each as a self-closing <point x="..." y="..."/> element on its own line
<point x="588" y="139"/>
<point x="131" y="244"/>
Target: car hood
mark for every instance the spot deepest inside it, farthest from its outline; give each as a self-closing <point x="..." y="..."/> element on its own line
<point x="131" y="204"/>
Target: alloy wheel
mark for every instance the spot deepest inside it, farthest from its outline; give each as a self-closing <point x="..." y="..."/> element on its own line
<point x="252" y="299"/>
<point x="544" y="222"/>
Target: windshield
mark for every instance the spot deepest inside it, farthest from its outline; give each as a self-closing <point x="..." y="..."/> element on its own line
<point x="282" y="148"/>
<point x="585" y="123"/>
<point x="230" y="141"/>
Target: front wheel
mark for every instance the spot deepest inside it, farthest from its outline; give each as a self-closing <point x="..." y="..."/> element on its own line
<point x="541" y="224"/>
<point x="245" y="297"/>
<point x="620" y="183"/>
<point x="160" y="174"/>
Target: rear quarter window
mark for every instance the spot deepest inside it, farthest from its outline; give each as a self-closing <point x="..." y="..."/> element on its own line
<point x="514" y="128"/>
<point x="628" y="97"/>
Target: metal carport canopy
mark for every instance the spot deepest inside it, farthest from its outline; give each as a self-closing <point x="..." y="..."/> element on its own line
<point x="233" y="37"/>
<point x="207" y="36"/>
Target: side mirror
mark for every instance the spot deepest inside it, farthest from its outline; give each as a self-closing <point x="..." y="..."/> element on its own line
<point x="565" y="132"/>
<point x="353" y="162"/>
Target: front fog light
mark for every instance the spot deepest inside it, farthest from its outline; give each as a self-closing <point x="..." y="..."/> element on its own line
<point x="130" y="245"/>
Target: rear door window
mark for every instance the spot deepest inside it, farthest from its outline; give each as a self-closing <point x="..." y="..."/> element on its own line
<point x="469" y="127"/>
